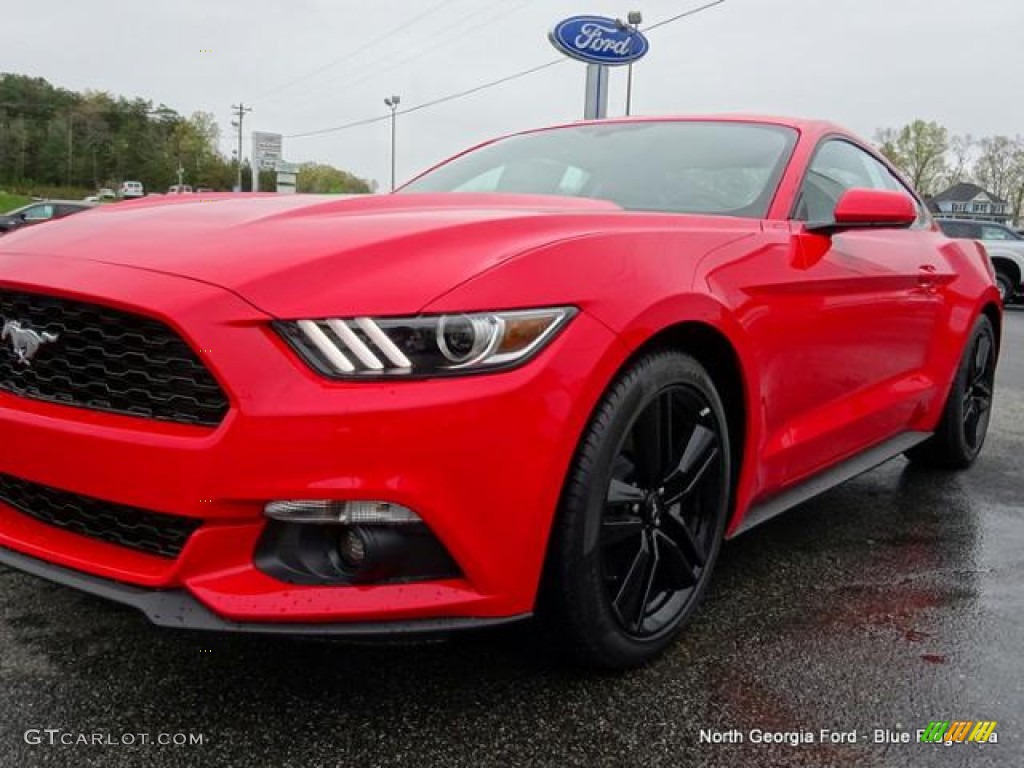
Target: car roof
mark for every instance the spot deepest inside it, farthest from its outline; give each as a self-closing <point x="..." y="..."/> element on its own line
<point x="948" y="220"/>
<point x="809" y="126"/>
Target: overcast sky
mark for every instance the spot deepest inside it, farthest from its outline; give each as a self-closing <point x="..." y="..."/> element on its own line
<point x="305" y="65"/>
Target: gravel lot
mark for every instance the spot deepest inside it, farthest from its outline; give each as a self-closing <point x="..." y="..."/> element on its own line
<point x="892" y="601"/>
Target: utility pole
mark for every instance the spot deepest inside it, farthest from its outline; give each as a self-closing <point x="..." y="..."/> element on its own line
<point x="239" y="111"/>
<point x="393" y="103"/>
<point x="71" y="128"/>
<point x="635" y="19"/>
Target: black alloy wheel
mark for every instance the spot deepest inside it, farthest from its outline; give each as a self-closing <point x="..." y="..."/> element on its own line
<point x="659" y="523"/>
<point x="977" y="390"/>
<point x="961" y="432"/>
<point x="642" y="516"/>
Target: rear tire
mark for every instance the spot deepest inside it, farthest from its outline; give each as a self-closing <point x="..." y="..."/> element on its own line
<point x="642" y="516"/>
<point x="964" y="425"/>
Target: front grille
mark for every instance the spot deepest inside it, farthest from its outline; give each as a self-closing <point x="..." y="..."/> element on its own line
<point x="151" y="532"/>
<point x="106" y="360"/>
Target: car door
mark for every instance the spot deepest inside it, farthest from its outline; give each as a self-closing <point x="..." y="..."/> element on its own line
<point x="855" y="315"/>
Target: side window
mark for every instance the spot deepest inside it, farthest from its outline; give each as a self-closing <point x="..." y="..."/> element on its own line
<point x="988" y="232"/>
<point x="957" y="229"/>
<point x="838" y="166"/>
<point x="39" y="213"/>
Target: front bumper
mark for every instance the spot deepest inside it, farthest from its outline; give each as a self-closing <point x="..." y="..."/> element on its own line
<point x="177" y="609"/>
<point x="480" y="459"/>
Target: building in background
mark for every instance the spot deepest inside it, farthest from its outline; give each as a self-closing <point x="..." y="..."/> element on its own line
<point x="969" y="201"/>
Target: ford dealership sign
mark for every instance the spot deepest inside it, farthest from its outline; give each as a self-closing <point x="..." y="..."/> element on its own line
<point x="599" y="40"/>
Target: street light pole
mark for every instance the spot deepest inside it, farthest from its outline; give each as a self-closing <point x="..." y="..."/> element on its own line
<point x="239" y="112"/>
<point x="635" y="19"/>
<point x="392" y="102"/>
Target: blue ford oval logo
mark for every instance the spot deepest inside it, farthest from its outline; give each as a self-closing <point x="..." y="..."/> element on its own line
<point x="599" y="40"/>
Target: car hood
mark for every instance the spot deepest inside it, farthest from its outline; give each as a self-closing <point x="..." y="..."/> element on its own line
<point x="312" y="256"/>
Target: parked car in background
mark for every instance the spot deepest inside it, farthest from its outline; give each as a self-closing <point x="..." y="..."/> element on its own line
<point x="44" y="210"/>
<point x="130" y="189"/>
<point x="200" y="190"/>
<point x="180" y="189"/>
<point x="106" y="194"/>
<point x="1005" y="248"/>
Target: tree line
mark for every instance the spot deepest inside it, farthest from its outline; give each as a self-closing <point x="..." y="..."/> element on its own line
<point x="933" y="160"/>
<point x="51" y="137"/>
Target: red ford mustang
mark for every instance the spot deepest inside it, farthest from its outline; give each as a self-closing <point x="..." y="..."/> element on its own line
<point x="547" y="377"/>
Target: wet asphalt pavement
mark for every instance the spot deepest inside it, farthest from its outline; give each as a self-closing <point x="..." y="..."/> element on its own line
<point x="892" y="601"/>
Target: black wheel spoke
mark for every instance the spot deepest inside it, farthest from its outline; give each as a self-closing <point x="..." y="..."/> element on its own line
<point x="621" y="493"/>
<point x="698" y="456"/>
<point x="981" y="354"/>
<point x="680" y="570"/>
<point x="971" y="420"/>
<point x="683" y="537"/>
<point x="652" y="437"/>
<point x="618" y="529"/>
<point x="629" y="602"/>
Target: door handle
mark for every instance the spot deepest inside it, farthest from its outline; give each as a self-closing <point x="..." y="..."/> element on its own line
<point x="926" y="278"/>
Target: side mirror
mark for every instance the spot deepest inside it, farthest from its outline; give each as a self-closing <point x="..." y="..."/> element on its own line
<point x="869" y="208"/>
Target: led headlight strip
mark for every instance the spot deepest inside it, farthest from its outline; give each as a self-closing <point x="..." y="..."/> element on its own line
<point x="425" y="345"/>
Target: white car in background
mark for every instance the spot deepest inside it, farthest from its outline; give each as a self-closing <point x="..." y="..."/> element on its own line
<point x="1005" y="248"/>
<point x="130" y="189"/>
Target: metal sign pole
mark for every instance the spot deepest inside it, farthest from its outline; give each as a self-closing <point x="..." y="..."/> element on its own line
<point x="596" y="104"/>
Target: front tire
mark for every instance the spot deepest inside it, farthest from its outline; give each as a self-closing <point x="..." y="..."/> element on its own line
<point x="964" y="425"/>
<point x="642" y="515"/>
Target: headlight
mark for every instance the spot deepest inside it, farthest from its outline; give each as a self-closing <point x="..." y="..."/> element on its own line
<point x="428" y="345"/>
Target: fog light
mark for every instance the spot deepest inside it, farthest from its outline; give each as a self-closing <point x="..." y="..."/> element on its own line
<point x="341" y="512"/>
<point x="352" y="549"/>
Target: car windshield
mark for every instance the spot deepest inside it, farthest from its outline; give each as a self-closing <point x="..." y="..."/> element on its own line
<point x="726" y="168"/>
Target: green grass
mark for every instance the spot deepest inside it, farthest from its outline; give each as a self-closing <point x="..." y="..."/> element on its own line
<point x="9" y="202"/>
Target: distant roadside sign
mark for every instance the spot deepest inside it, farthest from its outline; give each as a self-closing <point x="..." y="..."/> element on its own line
<point x="266" y="150"/>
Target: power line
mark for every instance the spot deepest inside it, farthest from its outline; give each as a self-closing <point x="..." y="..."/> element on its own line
<point x="365" y="47"/>
<point x="488" y="85"/>
<point x="428" y="104"/>
<point x="421" y="52"/>
<point x="691" y="12"/>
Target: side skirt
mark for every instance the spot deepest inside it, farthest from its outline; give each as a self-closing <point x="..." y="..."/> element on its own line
<point x="829" y="478"/>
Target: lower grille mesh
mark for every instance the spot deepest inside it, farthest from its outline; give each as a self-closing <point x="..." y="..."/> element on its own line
<point x="151" y="532"/>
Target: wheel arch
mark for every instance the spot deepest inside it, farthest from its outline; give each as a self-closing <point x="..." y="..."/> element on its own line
<point x="701" y="327"/>
<point x="710" y="347"/>
<point x="991" y="311"/>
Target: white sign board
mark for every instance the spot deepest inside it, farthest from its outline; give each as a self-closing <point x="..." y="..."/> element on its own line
<point x="266" y="150"/>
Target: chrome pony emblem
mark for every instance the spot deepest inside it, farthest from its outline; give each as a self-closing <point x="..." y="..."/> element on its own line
<point x="25" y="342"/>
